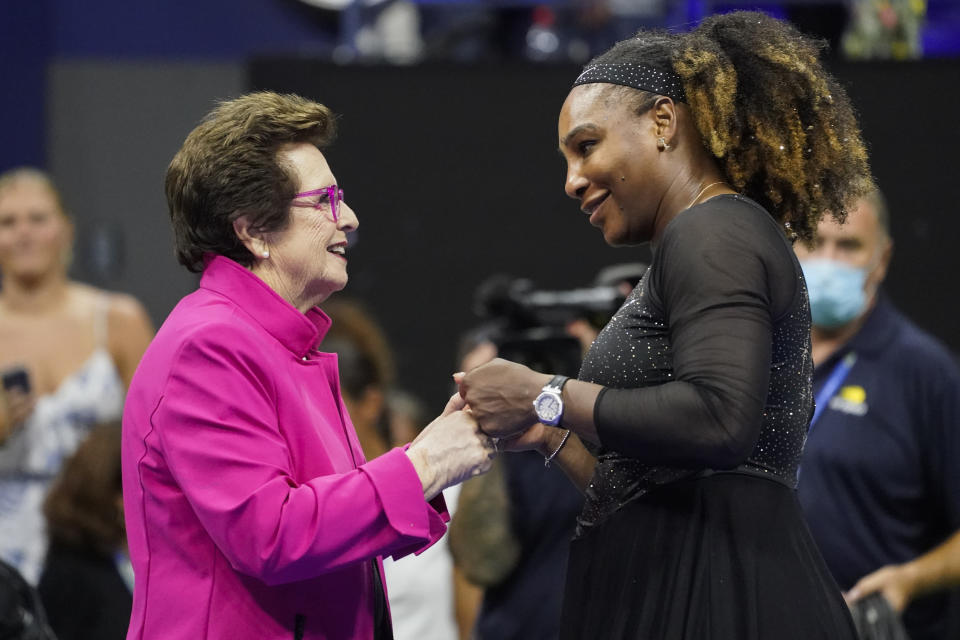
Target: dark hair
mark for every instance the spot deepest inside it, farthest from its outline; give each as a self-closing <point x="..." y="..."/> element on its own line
<point x="81" y="508"/>
<point x="365" y="356"/>
<point x="406" y="405"/>
<point x="228" y="167"/>
<point x="780" y="127"/>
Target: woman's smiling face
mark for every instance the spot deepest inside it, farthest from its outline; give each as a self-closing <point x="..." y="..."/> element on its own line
<point x="612" y="162"/>
<point x="310" y="252"/>
<point x="35" y="234"/>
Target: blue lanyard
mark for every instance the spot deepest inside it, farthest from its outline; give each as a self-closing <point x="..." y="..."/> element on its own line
<point x="837" y="376"/>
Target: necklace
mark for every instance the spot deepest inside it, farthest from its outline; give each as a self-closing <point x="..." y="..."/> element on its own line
<point x="703" y="191"/>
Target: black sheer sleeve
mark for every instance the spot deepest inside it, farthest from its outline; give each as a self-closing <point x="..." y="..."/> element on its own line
<point x="721" y="275"/>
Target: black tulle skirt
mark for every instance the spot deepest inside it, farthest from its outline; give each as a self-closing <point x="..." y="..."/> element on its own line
<point x="722" y="557"/>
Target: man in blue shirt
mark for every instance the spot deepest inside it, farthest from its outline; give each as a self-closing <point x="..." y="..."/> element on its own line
<point x="880" y="477"/>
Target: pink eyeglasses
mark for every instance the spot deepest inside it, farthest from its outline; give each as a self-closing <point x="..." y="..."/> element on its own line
<point x="333" y="194"/>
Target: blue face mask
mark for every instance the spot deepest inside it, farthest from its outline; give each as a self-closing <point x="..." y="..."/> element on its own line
<point x="836" y="292"/>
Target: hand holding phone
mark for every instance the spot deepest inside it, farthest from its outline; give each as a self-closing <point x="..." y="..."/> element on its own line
<point x="17" y="402"/>
<point x="16" y="378"/>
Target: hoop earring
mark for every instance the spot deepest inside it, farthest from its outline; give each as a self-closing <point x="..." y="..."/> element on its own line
<point x="662" y="144"/>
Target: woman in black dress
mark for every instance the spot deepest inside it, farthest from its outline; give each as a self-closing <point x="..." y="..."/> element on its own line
<point x="685" y="428"/>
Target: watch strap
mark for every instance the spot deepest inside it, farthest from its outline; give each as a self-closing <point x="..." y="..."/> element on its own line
<point x="556" y="383"/>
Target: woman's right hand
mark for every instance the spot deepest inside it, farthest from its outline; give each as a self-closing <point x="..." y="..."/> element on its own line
<point x="15" y="407"/>
<point x="449" y="450"/>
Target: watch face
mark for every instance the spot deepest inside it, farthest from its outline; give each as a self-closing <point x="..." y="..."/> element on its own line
<point x="548" y="407"/>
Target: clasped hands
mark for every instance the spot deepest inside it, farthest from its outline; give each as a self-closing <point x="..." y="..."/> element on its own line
<point x="493" y="412"/>
<point x="499" y="395"/>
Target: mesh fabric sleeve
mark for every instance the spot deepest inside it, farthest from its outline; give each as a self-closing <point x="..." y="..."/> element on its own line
<point x="721" y="274"/>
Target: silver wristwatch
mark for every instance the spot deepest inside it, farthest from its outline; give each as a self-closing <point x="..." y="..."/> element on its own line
<point x="549" y="404"/>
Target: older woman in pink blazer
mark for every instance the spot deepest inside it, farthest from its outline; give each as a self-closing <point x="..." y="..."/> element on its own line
<point x="251" y="511"/>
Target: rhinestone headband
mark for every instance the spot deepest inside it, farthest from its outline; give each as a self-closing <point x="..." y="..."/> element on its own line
<point x="638" y="76"/>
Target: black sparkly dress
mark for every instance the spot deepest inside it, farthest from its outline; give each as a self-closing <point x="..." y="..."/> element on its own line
<point x="691" y="529"/>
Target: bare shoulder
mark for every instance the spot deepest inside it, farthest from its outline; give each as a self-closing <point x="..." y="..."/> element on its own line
<point x="124" y="308"/>
<point x="130" y="330"/>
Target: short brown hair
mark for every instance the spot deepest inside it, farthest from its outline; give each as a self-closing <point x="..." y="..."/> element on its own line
<point x="82" y="507"/>
<point x="228" y="167"/>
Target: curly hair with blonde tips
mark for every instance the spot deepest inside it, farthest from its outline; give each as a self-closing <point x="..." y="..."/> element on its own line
<point x="781" y="128"/>
<point x="229" y="166"/>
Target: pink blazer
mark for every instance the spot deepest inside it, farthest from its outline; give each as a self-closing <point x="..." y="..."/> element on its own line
<point x="251" y="511"/>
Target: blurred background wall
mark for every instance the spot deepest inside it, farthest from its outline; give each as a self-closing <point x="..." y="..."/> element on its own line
<point x="447" y="148"/>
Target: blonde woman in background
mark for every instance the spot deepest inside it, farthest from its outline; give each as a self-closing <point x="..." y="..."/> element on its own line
<point x="67" y="353"/>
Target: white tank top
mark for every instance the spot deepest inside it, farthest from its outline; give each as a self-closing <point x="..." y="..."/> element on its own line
<point x="34" y="453"/>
